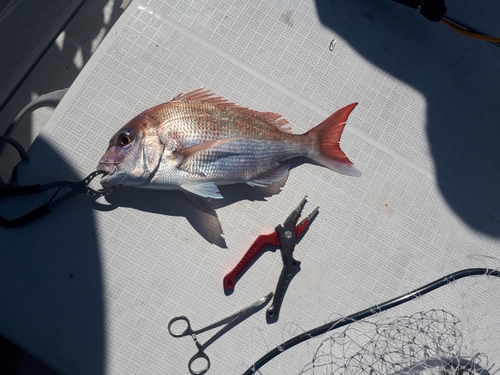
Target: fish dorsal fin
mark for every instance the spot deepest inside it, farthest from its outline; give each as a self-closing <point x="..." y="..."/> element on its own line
<point x="206" y="96"/>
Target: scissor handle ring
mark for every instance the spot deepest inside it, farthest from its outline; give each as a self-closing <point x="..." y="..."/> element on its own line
<point x="200" y="354"/>
<point x="187" y="331"/>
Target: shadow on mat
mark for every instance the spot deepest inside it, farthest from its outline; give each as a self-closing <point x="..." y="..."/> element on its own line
<point x="459" y="78"/>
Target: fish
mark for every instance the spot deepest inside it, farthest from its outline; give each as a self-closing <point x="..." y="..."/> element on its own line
<point x="199" y="141"/>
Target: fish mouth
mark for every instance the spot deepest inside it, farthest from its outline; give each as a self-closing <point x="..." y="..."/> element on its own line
<point x="108" y="169"/>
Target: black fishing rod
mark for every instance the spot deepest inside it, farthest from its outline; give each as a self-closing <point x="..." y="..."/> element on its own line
<point x="370" y="312"/>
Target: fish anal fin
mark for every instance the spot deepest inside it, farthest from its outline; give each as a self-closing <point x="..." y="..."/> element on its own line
<point x="203" y="189"/>
<point x="206" y="96"/>
<point x="275" y="175"/>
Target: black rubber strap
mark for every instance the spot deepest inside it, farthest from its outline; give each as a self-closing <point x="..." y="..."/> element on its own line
<point x="30" y="216"/>
<point x="20" y="190"/>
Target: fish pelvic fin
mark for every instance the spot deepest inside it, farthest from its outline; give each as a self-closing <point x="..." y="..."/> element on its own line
<point x="327" y="137"/>
<point x="203" y="189"/>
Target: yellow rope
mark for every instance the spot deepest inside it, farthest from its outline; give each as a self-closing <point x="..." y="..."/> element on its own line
<point x="469" y="33"/>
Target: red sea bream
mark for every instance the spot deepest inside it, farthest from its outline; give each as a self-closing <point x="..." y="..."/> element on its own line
<point x="198" y="141"/>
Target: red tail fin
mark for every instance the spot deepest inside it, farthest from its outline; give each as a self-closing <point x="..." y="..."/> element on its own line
<point x="328" y="133"/>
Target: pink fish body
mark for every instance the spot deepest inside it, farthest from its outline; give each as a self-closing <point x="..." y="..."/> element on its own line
<point x="198" y="141"/>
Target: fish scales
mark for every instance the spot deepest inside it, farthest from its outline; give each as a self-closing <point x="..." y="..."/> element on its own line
<point x="262" y="147"/>
<point x="259" y="147"/>
<point x="198" y="141"/>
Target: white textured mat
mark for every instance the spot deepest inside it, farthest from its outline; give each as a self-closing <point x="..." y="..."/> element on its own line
<point x="91" y="287"/>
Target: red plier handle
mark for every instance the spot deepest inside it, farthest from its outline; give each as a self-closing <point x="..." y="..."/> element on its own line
<point x="258" y="245"/>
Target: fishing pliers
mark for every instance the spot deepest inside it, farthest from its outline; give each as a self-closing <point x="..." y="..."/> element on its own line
<point x="285" y="237"/>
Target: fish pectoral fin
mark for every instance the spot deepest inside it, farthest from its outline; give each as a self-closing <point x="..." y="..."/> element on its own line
<point x="195" y="167"/>
<point x="203" y="189"/>
<point x="186" y="153"/>
<point x="191" y="160"/>
<point x="275" y="175"/>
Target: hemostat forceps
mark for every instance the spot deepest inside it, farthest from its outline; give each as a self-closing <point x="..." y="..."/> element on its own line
<point x="285" y="236"/>
<point x="230" y="322"/>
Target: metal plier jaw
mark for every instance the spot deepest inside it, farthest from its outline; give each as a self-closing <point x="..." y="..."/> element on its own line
<point x="76" y="187"/>
<point x="285" y="237"/>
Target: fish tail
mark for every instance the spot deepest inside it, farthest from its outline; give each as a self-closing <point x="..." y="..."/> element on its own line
<point x="326" y="137"/>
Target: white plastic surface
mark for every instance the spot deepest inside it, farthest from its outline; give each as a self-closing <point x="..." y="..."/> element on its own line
<point x="91" y="287"/>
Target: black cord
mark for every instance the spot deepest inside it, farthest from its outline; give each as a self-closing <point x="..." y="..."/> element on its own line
<point x="20" y="149"/>
<point x="22" y="153"/>
<point x="370" y="312"/>
<point x="433" y="10"/>
<point x="469" y="31"/>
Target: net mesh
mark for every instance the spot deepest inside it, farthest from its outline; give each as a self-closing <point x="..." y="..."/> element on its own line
<point x="423" y="343"/>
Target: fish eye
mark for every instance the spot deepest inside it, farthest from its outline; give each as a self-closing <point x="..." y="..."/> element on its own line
<point x="124" y="139"/>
